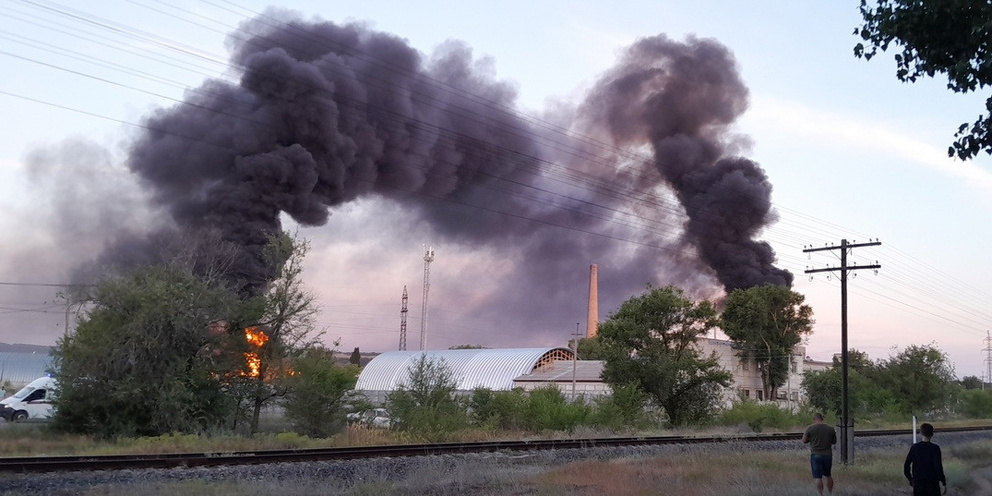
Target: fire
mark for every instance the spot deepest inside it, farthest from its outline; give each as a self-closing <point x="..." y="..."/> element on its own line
<point x="256" y="338"/>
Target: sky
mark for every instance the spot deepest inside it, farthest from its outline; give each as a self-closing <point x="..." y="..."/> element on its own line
<point x="849" y="151"/>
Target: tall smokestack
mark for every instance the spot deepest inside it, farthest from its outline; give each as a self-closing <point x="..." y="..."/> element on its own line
<point x="592" y="320"/>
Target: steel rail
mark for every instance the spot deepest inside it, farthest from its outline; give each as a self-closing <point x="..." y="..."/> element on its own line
<point x="213" y="459"/>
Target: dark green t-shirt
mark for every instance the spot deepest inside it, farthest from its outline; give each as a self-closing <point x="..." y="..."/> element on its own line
<point x="821" y="438"/>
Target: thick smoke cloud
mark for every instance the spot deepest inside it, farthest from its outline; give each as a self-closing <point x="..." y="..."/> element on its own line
<point x="323" y="115"/>
<point x="680" y="99"/>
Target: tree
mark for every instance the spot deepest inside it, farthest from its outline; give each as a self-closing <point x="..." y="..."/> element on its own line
<point x="589" y="348"/>
<point x="766" y="323"/>
<point x="318" y="392"/>
<point x="920" y="377"/>
<point x="425" y="404"/>
<point x="356" y="357"/>
<point x="867" y="398"/>
<point x="649" y="344"/>
<point x="975" y="403"/>
<point x="284" y="328"/>
<point x="140" y="361"/>
<point x="950" y="37"/>
<point x="971" y="382"/>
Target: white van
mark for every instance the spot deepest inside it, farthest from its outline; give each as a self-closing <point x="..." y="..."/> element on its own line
<point x="33" y="401"/>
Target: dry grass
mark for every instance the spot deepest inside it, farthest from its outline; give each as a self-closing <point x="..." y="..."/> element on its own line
<point x="775" y="474"/>
<point x="968" y="468"/>
<point x="734" y="472"/>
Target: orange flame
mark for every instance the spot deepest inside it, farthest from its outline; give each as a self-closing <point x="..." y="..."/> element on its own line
<point x="256" y="338"/>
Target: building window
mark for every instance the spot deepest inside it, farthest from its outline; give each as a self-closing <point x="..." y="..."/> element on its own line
<point x="761" y="395"/>
<point x="747" y="393"/>
<point x="795" y="396"/>
<point x="794" y="368"/>
<point x="745" y="363"/>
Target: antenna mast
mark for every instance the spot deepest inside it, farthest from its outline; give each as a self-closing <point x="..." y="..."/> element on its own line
<point x="403" y="311"/>
<point x="428" y="258"/>
<point x="988" y="359"/>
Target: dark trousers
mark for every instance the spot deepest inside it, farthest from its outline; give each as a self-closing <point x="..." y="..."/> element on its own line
<point x="926" y="488"/>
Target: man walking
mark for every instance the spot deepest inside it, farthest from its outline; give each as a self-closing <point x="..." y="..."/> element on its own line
<point x="821" y="439"/>
<point x="923" y="466"/>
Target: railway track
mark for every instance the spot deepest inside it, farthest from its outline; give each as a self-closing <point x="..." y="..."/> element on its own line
<point x="212" y="459"/>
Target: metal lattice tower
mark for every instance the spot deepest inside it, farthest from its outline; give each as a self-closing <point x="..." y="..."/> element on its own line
<point x="403" y="312"/>
<point x="988" y="359"/>
<point x="428" y="258"/>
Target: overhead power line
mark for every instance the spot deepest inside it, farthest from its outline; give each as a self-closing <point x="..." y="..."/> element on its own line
<point x="908" y="288"/>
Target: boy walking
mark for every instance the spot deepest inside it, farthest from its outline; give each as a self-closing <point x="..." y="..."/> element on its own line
<point x="924" y="467"/>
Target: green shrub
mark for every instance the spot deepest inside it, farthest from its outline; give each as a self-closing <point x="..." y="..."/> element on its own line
<point x="425" y="405"/>
<point x="499" y="409"/>
<point x="547" y="409"/>
<point x="318" y="388"/>
<point x="761" y="416"/>
<point x="975" y="403"/>
<point x="623" y="408"/>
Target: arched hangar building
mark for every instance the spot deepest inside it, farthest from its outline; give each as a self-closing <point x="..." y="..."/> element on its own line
<point x="495" y="369"/>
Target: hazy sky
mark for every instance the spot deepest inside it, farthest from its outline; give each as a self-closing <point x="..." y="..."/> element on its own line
<point x="850" y="152"/>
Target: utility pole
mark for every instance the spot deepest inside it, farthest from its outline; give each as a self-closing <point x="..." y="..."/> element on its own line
<point x="847" y="425"/>
<point x="575" y="357"/>
<point x="988" y="359"/>
<point x="403" y="312"/>
<point x="428" y="258"/>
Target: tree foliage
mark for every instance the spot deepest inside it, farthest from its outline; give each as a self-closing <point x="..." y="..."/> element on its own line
<point x="951" y="37"/>
<point x="318" y="393"/>
<point x="590" y="349"/>
<point x="766" y="323"/>
<point x="285" y="316"/>
<point x="140" y="360"/>
<point x="975" y="403"/>
<point x="425" y="404"/>
<point x="917" y="380"/>
<point x="920" y="377"/>
<point x="866" y="398"/>
<point x="971" y="382"/>
<point x="650" y="344"/>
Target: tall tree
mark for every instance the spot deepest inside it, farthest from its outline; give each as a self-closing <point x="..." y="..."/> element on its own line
<point x="284" y="328"/>
<point x="766" y="323"/>
<point x="921" y="377"/>
<point x="650" y="344"/>
<point x="867" y="397"/>
<point x="947" y="36"/>
<point x="140" y="361"/>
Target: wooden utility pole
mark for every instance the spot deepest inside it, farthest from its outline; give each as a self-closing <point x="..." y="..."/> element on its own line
<point x="847" y="424"/>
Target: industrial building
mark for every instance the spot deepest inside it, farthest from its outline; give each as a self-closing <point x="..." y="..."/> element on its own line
<point x="494" y="369"/>
<point x="532" y="368"/>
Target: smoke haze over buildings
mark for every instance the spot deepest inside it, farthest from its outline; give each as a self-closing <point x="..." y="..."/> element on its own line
<point x="643" y="181"/>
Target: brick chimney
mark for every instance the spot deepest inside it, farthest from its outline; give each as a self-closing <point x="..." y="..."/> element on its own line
<point x="592" y="320"/>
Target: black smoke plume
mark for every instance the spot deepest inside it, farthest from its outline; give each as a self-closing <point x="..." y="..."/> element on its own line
<point x="680" y="98"/>
<point x="324" y="114"/>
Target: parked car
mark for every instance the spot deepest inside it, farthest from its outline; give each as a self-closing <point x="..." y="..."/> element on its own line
<point x="374" y="417"/>
<point x="33" y="401"/>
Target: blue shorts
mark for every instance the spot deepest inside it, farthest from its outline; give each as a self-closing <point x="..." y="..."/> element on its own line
<point x="820" y="465"/>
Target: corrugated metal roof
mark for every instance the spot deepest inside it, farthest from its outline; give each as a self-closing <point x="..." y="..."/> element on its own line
<point x="22" y="368"/>
<point x="561" y="371"/>
<point x="488" y="368"/>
